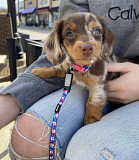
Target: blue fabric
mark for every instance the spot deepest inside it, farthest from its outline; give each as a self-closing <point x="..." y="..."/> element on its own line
<point x="54" y="125"/>
<point x="114" y="137"/>
<point x="71" y="114"/>
<point x="29" y="10"/>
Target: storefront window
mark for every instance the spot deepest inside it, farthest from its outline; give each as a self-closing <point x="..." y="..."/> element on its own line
<point x="44" y="19"/>
<point x="55" y="16"/>
<point x="31" y="19"/>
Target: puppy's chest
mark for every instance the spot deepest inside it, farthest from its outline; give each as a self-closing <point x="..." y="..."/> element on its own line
<point x="85" y="79"/>
<point x="95" y="75"/>
<point x="78" y="78"/>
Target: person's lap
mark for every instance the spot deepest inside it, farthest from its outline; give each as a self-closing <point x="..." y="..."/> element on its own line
<point x="71" y="115"/>
<point x="101" y="135"/>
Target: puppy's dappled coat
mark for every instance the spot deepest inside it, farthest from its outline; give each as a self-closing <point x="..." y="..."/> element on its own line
<point x="86" y="40"/>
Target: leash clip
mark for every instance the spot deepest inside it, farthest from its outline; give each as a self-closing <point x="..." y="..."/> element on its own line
<point x="57" y="108"/>
<point x="68" y="79"/>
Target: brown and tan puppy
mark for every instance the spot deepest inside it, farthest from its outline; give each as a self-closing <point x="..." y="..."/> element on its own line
<point x="86" y="40"/>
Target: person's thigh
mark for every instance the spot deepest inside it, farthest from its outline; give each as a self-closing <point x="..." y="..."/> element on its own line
<point x="70" y="118"/>
<point x="71" y="115"/>
<point x="114" y="137"/>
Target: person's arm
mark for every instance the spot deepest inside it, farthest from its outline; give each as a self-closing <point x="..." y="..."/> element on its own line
<point x="27" y="88"/>
<point x="124" y="89"/>
<point x="68" y="7"/>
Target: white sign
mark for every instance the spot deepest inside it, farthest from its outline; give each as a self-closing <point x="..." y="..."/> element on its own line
<point x="21" y="6"/>
<point x="42" y="2"/>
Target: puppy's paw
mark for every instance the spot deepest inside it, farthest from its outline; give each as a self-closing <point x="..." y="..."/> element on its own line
<point x="37" y="71"/>
<point x="41" y="72"/>
<point x="92" y="115"/>
<point x="90" y="119"/>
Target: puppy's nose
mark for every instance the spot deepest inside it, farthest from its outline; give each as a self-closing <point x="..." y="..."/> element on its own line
<point x="87" y="49"/>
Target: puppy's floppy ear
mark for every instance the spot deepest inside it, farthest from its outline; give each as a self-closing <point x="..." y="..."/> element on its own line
<point x="108" y="39"/>
<point x="52" y="45"/>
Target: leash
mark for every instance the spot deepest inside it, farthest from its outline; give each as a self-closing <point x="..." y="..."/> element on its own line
<point x="67" y="88"/>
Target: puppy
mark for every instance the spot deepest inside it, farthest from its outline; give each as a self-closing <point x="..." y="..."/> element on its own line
<point x="86" y="40"/>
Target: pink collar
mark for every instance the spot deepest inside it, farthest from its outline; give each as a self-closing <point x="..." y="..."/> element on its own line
<point x="81" y="69"/>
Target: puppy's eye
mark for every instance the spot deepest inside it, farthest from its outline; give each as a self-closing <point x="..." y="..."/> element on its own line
<point x="70" y="34"/>
<point x="96" y="32"/>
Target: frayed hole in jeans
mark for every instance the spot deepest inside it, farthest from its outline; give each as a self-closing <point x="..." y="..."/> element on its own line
<point x="19" y="157"/>
<point x="39" y="142"/>
<point x="107" y="154"/>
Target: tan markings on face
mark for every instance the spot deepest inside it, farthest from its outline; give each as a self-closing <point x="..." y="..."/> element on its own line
<point x="79" y="58"/>
<point x="93" y="25"/>
<point x="72" y="27"/>
<point x="89" y="26"/>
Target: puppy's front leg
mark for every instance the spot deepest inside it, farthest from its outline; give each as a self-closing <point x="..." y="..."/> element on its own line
<point x="47" y="72"/>
<point x="95" y="104"/>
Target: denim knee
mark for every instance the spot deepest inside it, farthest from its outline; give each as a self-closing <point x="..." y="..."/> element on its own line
<point x="114" y="137"/>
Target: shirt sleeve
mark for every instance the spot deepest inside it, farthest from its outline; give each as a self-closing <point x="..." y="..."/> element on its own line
<point x="28" y="88"/>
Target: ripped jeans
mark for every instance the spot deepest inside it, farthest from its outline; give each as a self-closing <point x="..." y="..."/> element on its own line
<point x="70" y="119"/>
<point x="114" y="137"/>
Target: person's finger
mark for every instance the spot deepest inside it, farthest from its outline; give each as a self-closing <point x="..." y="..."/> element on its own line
<point x="113" y="85"/>
<point x="120" y="67"/>
<point x="111" y="95"/>
<point x="116" y="101"/>
<point x="114" y="97"/>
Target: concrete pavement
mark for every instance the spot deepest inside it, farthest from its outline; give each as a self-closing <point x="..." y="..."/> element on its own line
<point x="5" y="135"/>
<point x="35" y="33"/>
<point x="6" y="131"/>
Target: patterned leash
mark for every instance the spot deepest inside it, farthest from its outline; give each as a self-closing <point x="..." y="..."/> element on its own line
<point x="67" y="88"/>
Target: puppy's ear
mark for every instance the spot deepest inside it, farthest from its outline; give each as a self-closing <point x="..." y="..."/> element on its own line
<point x="52" y="45"/>
<point x="107" y="40"/>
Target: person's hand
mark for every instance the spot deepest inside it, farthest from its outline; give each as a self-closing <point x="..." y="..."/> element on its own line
<point x="124" y="89"/>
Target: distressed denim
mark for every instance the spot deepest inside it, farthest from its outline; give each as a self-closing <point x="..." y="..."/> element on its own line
<point x="71" y="115"/>
<point x="114" y="137"/>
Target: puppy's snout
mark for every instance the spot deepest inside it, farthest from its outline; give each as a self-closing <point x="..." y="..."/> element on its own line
<point x="87" y="49"/>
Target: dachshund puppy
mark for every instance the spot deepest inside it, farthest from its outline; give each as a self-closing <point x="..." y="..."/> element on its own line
<point x="86" y="40"/>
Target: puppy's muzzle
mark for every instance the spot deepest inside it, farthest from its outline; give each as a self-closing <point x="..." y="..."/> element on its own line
<point x="87" y="49"/>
